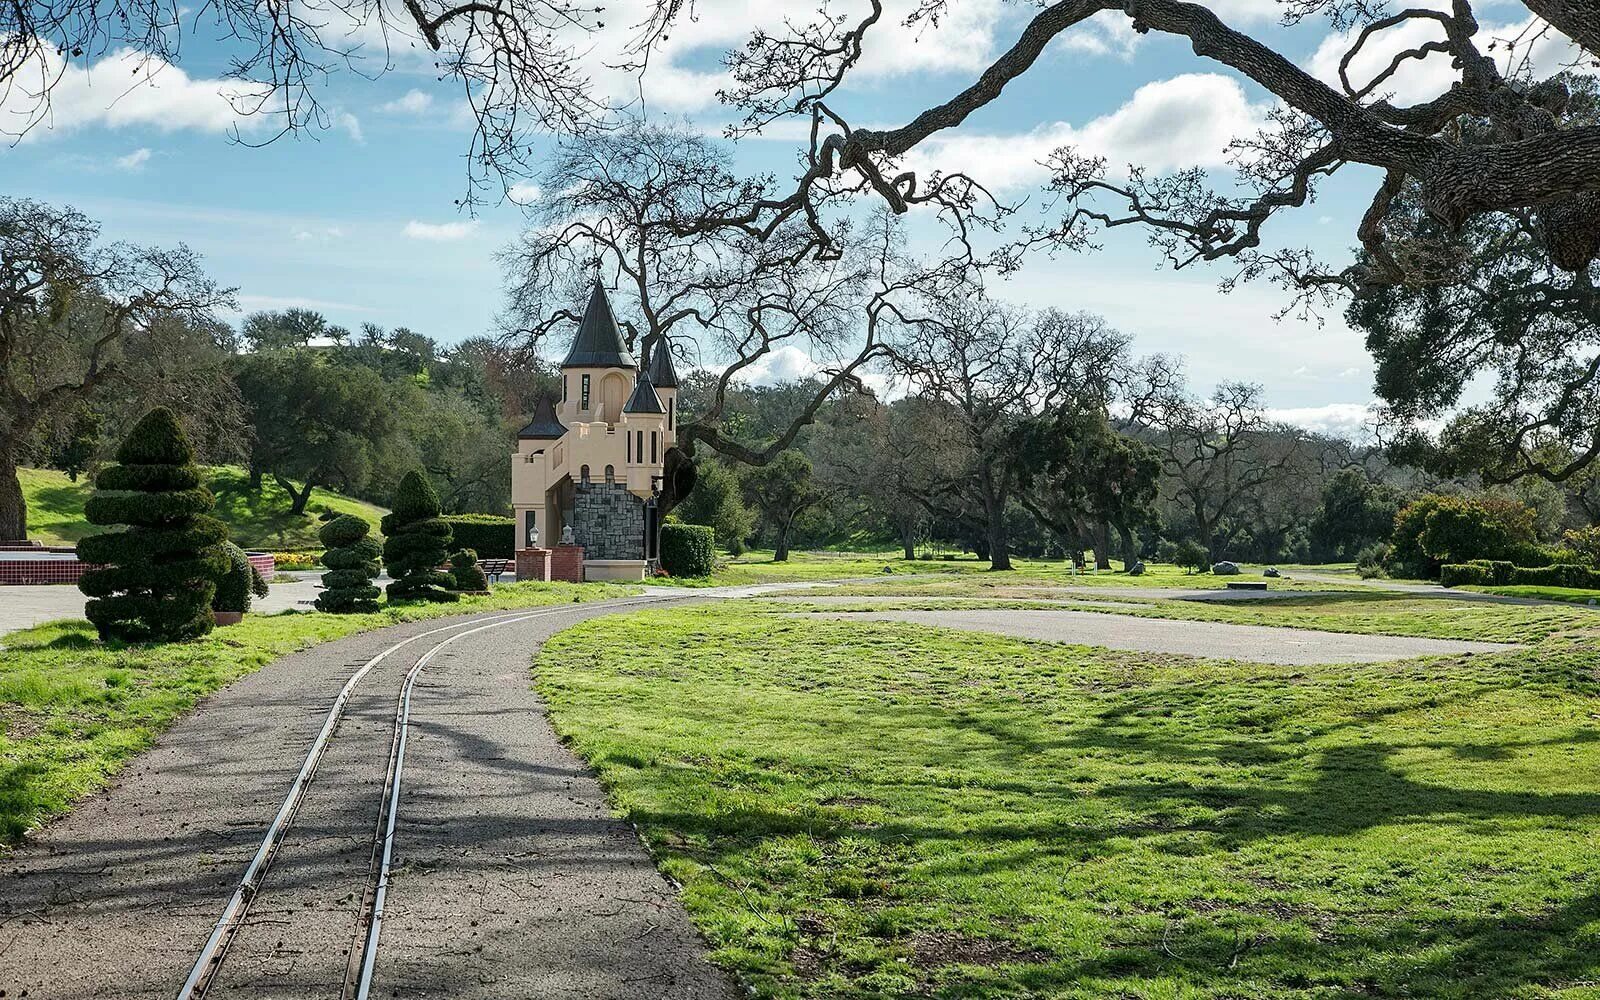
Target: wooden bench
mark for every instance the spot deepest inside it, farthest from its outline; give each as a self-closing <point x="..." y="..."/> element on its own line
<point x="1248" y="585"/>
<point x="492" y="568"/>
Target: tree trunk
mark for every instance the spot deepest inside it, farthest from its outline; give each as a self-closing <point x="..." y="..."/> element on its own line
<point x="1102" y="546"/>
<point x="780" y="551"/>
<point x="999" y="553"/>
<point x="13" y="507"/>
<point x="1130" y="550"/>
<point x="256" y="472"/>
<point x="909" y="546"/>
<point x="298" y="500"/>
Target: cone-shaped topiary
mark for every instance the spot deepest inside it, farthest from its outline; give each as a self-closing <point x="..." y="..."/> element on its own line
<point x="237" y="582"/>
<point x="159" y="574"/>
<point x="466" y="572"/>
<point x="415" y="541"/>
<point x="352" y="561"/>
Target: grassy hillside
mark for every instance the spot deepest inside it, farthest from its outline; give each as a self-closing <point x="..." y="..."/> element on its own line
<point x="258" y="519"/>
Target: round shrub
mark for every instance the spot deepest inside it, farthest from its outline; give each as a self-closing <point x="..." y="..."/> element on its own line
<point x="688" y="549"/>
<point x="467" y="573"/>
<point x="352" y="561"/>
<point x="240" y="580"/>
<point x="415" y="541"/>
<point x="159" y="573"/>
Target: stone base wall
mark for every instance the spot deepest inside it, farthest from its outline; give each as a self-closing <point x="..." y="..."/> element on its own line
<point x="608" y="521"/>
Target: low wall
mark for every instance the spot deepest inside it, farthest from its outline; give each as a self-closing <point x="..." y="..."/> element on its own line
<point x="35" y="564"/>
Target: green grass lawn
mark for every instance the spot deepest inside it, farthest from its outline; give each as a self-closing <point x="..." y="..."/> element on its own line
<point x="877" y="809"/>
<point x="74" y="711"/>
<point x="256" y="519"/>
<point x="1571" y="595"/>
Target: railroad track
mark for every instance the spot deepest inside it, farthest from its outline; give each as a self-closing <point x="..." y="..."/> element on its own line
<point x="369" y="919"/>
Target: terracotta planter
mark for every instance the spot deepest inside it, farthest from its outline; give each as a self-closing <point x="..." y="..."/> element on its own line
<point x="228" y="617"/>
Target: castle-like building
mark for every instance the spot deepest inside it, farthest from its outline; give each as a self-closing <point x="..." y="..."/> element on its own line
<point x="586" y="471"/>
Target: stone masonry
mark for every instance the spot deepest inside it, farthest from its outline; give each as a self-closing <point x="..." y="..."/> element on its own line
<point x="608" y="521"/>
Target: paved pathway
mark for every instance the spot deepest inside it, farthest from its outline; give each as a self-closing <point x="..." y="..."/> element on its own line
<point x="512" y="879"/>
<point x="1217" y="640"/>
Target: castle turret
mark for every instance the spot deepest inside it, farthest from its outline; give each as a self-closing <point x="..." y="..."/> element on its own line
<point x="658" y="368"/>
<point x="598" y="371"/>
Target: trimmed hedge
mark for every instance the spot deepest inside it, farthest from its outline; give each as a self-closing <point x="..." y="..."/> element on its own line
<point x="490" y="536"/>
<point x="469" y="576"/>
<point x="159" y="574"/>
<point x="688" y="549"/>
<point x="240" y="581"/>
<point x="1498" y="573"/>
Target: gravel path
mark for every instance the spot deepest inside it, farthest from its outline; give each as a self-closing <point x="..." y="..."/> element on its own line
<point x="512" y="878"/>
<point x="1216" y="640"/>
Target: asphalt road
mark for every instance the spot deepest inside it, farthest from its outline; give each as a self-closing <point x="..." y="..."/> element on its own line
<point x="512" y="878"/>
<point x="1216" y="640"/>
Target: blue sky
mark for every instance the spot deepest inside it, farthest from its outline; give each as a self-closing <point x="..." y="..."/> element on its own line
<point x="359" y="221"/>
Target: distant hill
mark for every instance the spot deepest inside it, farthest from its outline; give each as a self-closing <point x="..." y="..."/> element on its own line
<point x="257" y="519"/>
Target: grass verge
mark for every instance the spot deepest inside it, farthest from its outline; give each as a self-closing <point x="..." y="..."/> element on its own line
<point x="875" y="809"/>
<point x="73" y="710"/>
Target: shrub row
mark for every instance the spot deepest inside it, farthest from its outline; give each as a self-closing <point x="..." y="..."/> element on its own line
<point x="688" y="549"/>
<point x="491" y="537"/>
<point x="1499" y="573"/>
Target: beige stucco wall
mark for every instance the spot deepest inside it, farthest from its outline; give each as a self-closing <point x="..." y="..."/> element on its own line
<point x="598" y="437"/>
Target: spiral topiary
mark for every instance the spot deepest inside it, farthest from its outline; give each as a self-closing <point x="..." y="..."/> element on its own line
<point x="159" y="574"/>
<point x="237" y="582"/>
<point x="466" y="572"/>
<point x="415" y="541"/>
<point x="352" y="561"/>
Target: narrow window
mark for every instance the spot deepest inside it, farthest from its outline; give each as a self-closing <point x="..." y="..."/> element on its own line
<point x="611" y="474"/>
<point x="583" y="474"/>
<point x="564" y="381"/>
<point x="652" y="447"/>
<point x="627" y="443"/>
<point x="670" y="401"/>
<point x="584" y="405"/>
<point x="638" y="446"/>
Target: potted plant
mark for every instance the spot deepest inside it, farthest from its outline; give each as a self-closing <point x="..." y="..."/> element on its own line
<point x="235" y="586"/>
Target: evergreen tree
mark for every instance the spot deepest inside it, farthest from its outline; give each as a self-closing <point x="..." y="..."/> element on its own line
<point x="238" y="582"/>
<point x="352" y="561"/>
<point x="416" y="539"/>
<point x="160" y="573"/>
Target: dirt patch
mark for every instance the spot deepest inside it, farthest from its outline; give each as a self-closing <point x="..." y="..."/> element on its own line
<point x="935" y="948"/>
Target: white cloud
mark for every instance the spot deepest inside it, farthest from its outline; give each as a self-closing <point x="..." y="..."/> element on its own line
<point x="351" y="124"/>
<point x="322" y="235"/>
<point x="525" y="193"/>
<point x="413" y="102"/>
<point x="1346" y="420"/>
<point x="134" y="161"/>
<point x="1108" y="33"/>
<point x="441" y="232"/>
<point x="1541" y="52"/>
<point x="122" y="90"/>
<point x="1185" y="121"/>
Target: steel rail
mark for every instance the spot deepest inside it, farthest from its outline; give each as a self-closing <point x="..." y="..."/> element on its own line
<point x="358" y="979"/>
<point x="209" y="962"/>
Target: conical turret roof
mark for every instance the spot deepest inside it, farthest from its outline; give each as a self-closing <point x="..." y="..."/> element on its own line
<point x="662" y="374"/>
<point x="599" y="342"/>
<point x="544" y="426"/>
<point x="644" y="398"/>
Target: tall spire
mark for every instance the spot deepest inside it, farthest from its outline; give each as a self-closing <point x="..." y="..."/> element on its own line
<point x="659" y="366"/>
<point x="598" y="343"/>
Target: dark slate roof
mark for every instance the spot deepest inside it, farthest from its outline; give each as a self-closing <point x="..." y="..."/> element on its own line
<point x="544" y="426"/>
<point x="661" y="372"/>
<point x="644" y="398"/>
<point x="599" y="342"/>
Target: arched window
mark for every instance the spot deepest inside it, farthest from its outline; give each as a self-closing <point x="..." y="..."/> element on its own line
<point x="611" y="474"/>
<point x="583" y="475"/>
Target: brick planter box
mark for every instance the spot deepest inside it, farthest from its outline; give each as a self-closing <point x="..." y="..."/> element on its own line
<point x="37" y="565"/>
